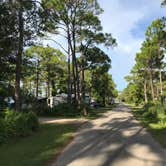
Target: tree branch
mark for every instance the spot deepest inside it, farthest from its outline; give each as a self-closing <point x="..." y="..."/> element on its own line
<point x="60" y="45"/>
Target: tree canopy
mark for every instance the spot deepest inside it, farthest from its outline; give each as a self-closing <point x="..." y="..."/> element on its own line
<point x="34" y="69"/>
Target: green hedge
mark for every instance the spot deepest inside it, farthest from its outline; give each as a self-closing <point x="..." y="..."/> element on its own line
<point x="16" y="124"/>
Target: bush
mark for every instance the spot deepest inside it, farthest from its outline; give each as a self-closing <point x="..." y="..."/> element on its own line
<point x="150" y="116"/>
<point x="17" y="124"/>
<point x="32" y="121"/>
<point x="40" y="108"/>
<point x="162" y="122"/>
<point x="154" y="111"/>
<point x="164" y="108"/>
<point x="147" y="106"/>
<point x="150" y="111"/>
<point x="62" y="110"/>
<point x="3" y="134"/>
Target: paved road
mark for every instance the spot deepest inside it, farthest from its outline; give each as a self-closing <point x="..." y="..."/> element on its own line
<point x="116" y="139"/>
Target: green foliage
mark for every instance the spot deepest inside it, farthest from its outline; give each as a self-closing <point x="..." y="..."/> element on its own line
<point x="6" y="90"/>
<point x="42" y="70"/>
<point x="3" y="132"/>
<point x="72" y="111"/>
<point x="101" y="88"/>
<point x="9" y="31"/>
<point x="46" y="65"/>
<point x="95" y="57"/>
<point x="16" y="124"/>
<point x="163" y="2"/>
<point x="40" y="108"/>
<point x="154" y="111"/>
<point x="98" y="82"/>
<point x="162" y="122"/>
<point x="80" y="18"/>
<point x="62" y="110"/>
<point x="8" y="40"/>
<point x="151" y="114"/>
<point x="31" y="121"/>
<point x="133" y="94"/>
<point x="153" y="117"/>
<point x="146" y="79"/>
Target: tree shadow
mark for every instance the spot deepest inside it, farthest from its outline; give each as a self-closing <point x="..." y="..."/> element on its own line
<point x="114" y="140"/>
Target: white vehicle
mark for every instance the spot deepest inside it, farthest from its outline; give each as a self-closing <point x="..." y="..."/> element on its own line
<point x="87" y="99"/>
<point x="58" y="99"/>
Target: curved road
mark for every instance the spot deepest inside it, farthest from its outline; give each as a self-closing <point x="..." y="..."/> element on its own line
<point x="115" y="139"/>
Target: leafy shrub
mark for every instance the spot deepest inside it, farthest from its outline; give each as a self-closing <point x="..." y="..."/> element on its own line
<point x="147" y="106"/>
<point x="162" y="122"/>
<point x="17" y="124"/>
<point x="65" y="109"/>
<point x="2" y="131"/>
<point x="150" y="116"/>
<point x="164" y="108"/>
<point x="150" y="111"/>
<point x="154" y="111"/>
<point x="32" y="121"/>
<point x="62" y="110"/>
<point x="40" y="108"/>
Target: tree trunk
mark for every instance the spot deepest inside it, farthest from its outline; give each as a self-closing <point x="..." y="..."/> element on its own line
<point x="157" y="92"/>
<point x="83" y="87"/>
<point x="151" y="84"/>
<point x="19" y="60"/>
<point x="104" y="101"/>
<point x="69" y="77"/>
<point x="74" y="79"/>
<point x="73" y="86"/>
<point x="30" y="86"/>
<point x="145" y="91"/>
<point x="77" y="83"/>
<point x="76" y="67"/>
<point x="37" y="79"/>
<point x="48" y="88"/>
<point x="160" y="73"/>
<point x="161" y="82"/>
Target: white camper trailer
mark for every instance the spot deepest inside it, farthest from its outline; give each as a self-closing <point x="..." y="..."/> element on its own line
<point x="58" y="99"/>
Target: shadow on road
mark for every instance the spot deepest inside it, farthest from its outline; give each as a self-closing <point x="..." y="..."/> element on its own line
<point x="117" y="139"/>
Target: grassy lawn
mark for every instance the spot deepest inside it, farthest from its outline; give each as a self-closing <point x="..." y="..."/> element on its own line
<point x="96" y="113"/>
<point x="157" y="129"/>
<point x="38" y="148"/>
<point x="93" y="113"/>
<point x="158" y="132"/>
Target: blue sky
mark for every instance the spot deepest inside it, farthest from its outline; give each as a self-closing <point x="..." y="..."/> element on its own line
<point x="127" y="20"/>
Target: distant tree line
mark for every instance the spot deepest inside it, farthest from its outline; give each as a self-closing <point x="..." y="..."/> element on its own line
<point x="147" y="81"/>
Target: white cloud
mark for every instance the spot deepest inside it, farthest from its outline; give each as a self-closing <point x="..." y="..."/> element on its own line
<point x="120" y="18"/>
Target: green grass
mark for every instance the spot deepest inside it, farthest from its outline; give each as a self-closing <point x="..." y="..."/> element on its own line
<point x="158" y="132"/>
<point x="96" y="113"/>
<point x="38" y="148"/>
<point x="64" y="112"/>
<point x="156" y="128"/>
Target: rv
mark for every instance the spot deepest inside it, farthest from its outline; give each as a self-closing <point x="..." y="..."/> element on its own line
<point x="58" y="99"/>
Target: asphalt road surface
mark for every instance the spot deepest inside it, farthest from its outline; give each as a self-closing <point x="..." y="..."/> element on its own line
<point x="115" y="139"/>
